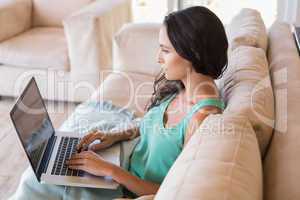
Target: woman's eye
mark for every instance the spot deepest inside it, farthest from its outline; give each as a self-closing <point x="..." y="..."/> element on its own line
<point x="165" y="51"/>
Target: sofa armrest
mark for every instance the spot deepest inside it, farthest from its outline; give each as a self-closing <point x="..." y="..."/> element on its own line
<point x="89" y="34"/>
<point x="221" y="161"/>
<point x="15" y="17"/>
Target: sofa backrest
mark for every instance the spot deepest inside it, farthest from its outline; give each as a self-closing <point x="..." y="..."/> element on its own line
<point x="281" y="164"/>
<point x="246" y="89"/>
<point x="52" y="12"/>
<point x="245" y="85"/>
<point x="136" y="47"/>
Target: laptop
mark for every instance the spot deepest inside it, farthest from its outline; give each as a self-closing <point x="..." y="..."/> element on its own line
<point x="47" y="149"/>
<point x="296" y="35"/>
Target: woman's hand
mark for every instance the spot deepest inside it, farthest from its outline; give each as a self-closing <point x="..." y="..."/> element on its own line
<point x="107" y="139"/>
<point x="92" y="163"/>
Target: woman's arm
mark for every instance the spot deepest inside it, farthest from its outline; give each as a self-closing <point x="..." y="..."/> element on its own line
<point x="127" y="134"/>
<point x="134" y="184"/>
<point x="107" y="139"/>
<point x="93" y="163"/>
<point x="197" y="119"/>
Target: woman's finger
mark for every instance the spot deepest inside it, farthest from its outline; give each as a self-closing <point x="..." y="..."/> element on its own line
<point x="85" y="154"/>
<point x="88" y="135"/>
<point x="86" y="140"/>
<point x="75" y="162"/>
<point x="94" y="136"/>
<point x="88" y="155"/>
<point x="83" y="140"/>
<point x="101" y="145"/>
<point x="78" y="156"/>
<point x="79" y="167"/>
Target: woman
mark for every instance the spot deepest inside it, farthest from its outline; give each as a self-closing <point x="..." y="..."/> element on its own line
<point x="193" y="52"/>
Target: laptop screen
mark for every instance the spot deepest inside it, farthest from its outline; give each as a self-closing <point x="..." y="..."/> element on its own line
<point x="32" y="123"/>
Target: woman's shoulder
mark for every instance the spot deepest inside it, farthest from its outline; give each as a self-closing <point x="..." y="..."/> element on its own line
<point x="200" y="114"/>
<point x="208" y="105"/>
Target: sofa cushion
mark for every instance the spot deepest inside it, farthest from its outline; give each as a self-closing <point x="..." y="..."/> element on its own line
<point x="15" y="17"/>
<point x="37" y="48"/>
<point x="136" y="47"/>
<point x="127" y="90"/>
<point x="51" y="13"/>
<point x="246" y="89"/>
<point x="281" y="165"/>
<point x="221" y="161"/>
<point x="247" y="29"/>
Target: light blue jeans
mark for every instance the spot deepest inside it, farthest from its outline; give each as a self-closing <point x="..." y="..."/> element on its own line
<point x="30" y="189"/>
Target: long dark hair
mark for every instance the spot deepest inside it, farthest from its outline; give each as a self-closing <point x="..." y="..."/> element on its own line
<point x="198" y="36"/>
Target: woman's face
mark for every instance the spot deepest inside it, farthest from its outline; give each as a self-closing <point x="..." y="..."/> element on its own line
<point x="174" y="66"/>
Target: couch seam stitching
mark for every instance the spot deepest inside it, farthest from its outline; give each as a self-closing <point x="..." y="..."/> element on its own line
<point x="234" y="159"/>
<point x="186" y="171"/>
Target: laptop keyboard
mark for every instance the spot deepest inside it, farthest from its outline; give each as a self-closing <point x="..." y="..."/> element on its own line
<point x="67" y="147"/>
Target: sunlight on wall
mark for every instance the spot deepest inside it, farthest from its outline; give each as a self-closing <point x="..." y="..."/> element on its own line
<point x="155" y="10"/>
<point x="226" y="9"/>
<point x="149" y="10"/>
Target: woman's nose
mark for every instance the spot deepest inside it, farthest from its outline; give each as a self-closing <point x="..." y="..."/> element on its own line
<point x="160" y="61"/>
<point x="159" y="58"/>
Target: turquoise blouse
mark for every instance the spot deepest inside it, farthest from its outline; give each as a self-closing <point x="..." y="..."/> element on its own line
<point x="159" y="146"/>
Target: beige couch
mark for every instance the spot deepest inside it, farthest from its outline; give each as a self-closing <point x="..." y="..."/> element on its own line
<point x="249" y="152"/>
<point x="66" y="45"/>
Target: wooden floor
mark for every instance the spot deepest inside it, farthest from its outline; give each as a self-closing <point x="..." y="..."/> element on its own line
<point x="12" y="157"/>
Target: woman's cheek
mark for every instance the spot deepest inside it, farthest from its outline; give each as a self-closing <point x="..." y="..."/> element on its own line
<point x="170" y="60"/>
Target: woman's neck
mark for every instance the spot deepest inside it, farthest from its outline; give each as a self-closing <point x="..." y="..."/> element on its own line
<point x="198" y="87"/>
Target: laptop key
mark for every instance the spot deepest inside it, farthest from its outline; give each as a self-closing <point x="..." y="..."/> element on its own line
<point x="67" y="147"/>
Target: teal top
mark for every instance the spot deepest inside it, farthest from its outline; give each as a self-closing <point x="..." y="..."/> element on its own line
<point x="160" y="146"/>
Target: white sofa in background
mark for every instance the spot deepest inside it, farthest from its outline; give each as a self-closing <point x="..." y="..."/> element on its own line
<point x="66" y="45"/>
<point x="251" y="151"/>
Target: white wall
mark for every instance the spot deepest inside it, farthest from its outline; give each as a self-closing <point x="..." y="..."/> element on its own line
<point x="149" y="10"/>
<point x="289" y="11"/>
<point x="227" y="9"/>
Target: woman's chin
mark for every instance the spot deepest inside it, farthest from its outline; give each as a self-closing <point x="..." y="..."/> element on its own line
<point x="169" y="78"/>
